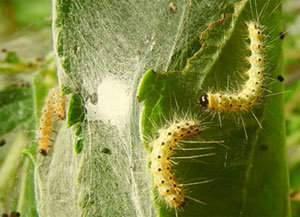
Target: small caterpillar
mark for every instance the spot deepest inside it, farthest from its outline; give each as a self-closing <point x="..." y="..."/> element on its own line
<point x="54" y="106"/>
<point x="252" y="88"/>
<point x="163" y="147"/>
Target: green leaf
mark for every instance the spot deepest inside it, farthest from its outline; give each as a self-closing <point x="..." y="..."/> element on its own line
<point x="11" y="100"/>
<point x="17" y="176"/>
<point x="249" y="167"/>
<point x="106" y="48"/>
<point x="79" y="141"/>
<point x="76" y="110"/>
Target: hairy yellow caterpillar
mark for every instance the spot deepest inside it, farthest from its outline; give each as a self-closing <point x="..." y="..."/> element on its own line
<point x="251" y="90"/>
<point x="54" y="106"/>
<point x="163" y="148"/>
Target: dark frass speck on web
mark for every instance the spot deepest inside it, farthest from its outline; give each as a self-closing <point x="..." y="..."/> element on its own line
<point x="105" y="151"/>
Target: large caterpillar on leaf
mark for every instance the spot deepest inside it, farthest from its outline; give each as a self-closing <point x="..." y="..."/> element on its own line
<point x="252" y="88"/>
<point x="54" y="107"/>
<point x="163" y="148"/>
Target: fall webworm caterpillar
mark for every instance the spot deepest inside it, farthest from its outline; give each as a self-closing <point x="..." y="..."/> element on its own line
<point x="254" y="47"/>
<point x="54" y="107"/>
<point x="248" y="96"/>
<point x="162" y="159"/>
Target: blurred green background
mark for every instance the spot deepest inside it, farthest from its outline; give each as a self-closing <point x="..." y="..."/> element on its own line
<point x="25" y="28"/>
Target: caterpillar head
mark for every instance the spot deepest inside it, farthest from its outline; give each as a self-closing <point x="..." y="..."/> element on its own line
<point x="203" y="100"/>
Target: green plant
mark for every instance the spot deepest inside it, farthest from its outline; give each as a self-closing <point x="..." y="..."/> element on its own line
<point x="127" y="70"/>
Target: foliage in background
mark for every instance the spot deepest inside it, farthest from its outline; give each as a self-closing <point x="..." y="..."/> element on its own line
<point x="19" y="15"/>
<point x="292" y="96"/>
<point x="25" y="28"/>
<point x="25" y="39"/>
